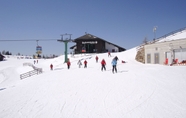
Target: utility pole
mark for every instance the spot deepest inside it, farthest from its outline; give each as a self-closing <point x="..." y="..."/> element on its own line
<point x="65" y="41"/>
<point x="154" y="30"/>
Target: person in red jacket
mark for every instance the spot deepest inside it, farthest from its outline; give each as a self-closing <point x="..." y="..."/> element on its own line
<point x="85" y="64"/>
<point x="109" y="55"/>
<point x="103" y="63"/>
<point x="68" y="64"/>
<point x="51" y="67"/>
<point x="97" y="58"/>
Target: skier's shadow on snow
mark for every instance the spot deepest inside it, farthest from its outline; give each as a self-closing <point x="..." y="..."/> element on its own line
<point x="119" y="71"/>
<point x="122" y="71"/>
<point x="58" y="68"/>
<point x="2" y="89"/>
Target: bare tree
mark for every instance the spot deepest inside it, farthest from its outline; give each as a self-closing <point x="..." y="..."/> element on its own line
<point x="145" y="41"/>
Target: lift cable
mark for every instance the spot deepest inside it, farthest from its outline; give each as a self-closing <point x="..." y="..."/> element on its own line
<point x="33" y="40"/>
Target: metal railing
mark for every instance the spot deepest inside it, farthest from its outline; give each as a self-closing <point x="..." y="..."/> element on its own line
<point x="158" y="39"/>
<point x="172" y="33"/>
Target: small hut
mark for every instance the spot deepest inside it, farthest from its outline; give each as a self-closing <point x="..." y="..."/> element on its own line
<point x="1" y="57"/>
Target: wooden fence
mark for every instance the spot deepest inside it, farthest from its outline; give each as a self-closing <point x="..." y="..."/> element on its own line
<point x="31" y="73"/>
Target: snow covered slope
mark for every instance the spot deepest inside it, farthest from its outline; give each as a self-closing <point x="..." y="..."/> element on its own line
<point x="136" y="91"/>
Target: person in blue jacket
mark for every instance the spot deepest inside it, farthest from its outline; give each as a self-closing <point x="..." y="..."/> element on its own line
<point x="114" y="63"/>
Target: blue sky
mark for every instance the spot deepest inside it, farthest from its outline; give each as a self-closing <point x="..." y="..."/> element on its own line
<point x="122" y="22"/>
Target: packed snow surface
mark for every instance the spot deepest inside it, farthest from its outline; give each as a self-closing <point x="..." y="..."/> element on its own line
<point x="136" y="91"/>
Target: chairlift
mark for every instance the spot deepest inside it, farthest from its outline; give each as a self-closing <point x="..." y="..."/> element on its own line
<point x="38" y="49"/>
<point x="83" y="49"/>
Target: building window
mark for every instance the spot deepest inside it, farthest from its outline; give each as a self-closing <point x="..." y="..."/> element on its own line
<point x="148" y="58"/>
<point x="156" y="48"/>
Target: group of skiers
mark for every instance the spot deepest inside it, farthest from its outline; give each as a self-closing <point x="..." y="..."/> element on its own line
<point x="35" y="61"/>
<point x="80" y="63"/>
<point x="114" y="63"/>
<point x="103" y="64"/>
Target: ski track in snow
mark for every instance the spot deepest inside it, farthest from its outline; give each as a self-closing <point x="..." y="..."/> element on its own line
<point x="90" y="92"/>
<point x="142" y="103"/>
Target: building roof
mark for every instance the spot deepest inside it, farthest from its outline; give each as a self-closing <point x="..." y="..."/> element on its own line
<point x="2" y="56"/>
<point x="87" y="36"/>
<point x="92" y="37"/>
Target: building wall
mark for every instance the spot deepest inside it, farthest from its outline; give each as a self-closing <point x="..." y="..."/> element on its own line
<point x="158" y="52"/>
<point x="78" y="46"/>
<point x="111" y="48"/>
<point x="95" y="45"/>
<point x="99" y="45"/>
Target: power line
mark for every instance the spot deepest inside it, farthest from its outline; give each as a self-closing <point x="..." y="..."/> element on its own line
<point x="33" y="40"/>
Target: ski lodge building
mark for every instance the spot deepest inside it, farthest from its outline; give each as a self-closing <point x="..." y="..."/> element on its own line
<point x="167" y="48"/>
<point x="92" y="44"/>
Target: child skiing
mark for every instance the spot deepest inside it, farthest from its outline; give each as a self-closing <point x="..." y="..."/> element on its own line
<point x="114" y="63"/>
<point x="116" y="58"/>
<point x="103" y="63"/>
<point x="85" y="64"/>
<point x="79" y="63"/>
<point x="51" y="67"/>
<point x="109" y="55"/>
<point x="68" y="64"/>
<point x="97" y="59"/>
<point x="123" y="61"/>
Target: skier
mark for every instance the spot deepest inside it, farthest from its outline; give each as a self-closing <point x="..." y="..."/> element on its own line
<point x="109" y="55"/>
<point x="123" y="61"/>
<point x="79" y="63"/>
<point x="34" y="61"/>
<point x="97" y="58"/>
<point x="85" y="64"/>
<point x="103" y="63"/>
<point x="116" y="58"/>
<point x="68" y="64"/>
<point x="114" y="63"/>
<point x="51" y="67"/>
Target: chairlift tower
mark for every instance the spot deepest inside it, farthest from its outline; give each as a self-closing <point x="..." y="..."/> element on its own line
<point x="65" y="41"/>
